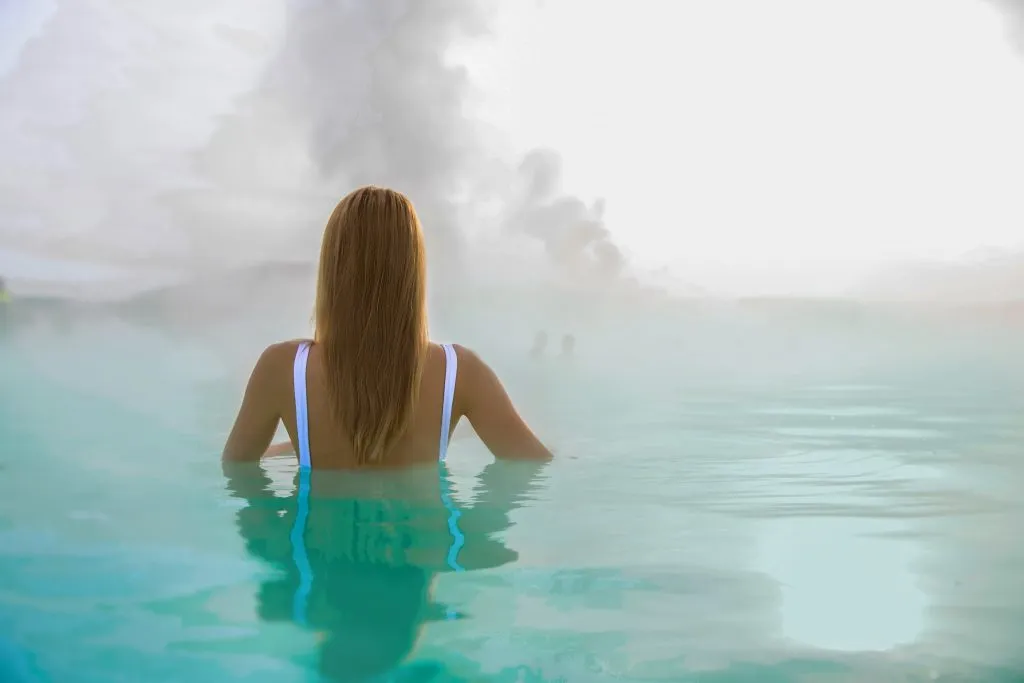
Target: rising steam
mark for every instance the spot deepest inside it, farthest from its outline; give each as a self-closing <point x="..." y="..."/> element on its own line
<point x="574" y="234"/>
<point x="1013" y="10"/>
<point x="363" y="93"/>
<point x="173" y="135"/>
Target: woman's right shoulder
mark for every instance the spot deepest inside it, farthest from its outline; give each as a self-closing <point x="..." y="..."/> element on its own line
<point x="468" y="359"/>
<point x="475" y="374"/>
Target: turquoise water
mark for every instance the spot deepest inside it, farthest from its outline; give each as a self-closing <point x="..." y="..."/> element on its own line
<point x="738" y="497"/>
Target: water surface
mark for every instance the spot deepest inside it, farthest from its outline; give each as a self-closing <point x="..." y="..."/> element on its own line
<point x="736" y="498"/>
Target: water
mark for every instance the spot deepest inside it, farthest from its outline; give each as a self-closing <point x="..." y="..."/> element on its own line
<point x="741" y="494"/>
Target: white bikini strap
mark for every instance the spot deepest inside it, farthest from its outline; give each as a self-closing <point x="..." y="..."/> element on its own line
<point x="301" y="406"/>
<point x="451" y="369"/>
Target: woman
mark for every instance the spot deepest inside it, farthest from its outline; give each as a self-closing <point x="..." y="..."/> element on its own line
<point x="371" y="390"/>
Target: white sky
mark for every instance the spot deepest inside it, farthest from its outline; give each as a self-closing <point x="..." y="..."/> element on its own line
<point x="772" y="145"/>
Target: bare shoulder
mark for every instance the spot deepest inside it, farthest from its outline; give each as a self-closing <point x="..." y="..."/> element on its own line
<point x="474" y="372"/>
<point x="278" y="356"/>
<point x="465" y="357"/>
<point x="469" y="361"/>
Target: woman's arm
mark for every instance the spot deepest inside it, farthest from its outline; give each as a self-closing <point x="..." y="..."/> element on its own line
<point x="257" y="418"/>
<point x="483" y="399"/>
<point x="283" y="448"/>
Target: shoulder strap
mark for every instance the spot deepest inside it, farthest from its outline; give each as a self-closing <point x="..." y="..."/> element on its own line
<point x="301" y="407"/>
<point x="451" y="369"/>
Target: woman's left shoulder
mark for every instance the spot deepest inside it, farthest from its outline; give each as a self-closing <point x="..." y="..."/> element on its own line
<point x="280" y="353"/>
<point x="287" y="347"/>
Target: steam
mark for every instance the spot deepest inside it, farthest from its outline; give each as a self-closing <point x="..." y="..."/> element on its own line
<point x="573" y="234"/>
<point x="178" y="136"/>
<point x="1013" y="10"/>
<point x="986" y="275"/>
<point x="99" y="115"/>
<point x="366" y="93"/>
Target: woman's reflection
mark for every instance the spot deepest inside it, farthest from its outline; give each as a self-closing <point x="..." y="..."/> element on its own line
<point x="359" y="552"/>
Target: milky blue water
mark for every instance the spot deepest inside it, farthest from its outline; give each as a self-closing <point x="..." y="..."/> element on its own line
<point x="737" y="497"/>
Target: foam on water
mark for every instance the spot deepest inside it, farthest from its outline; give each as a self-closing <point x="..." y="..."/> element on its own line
<point x="715" y="515"/>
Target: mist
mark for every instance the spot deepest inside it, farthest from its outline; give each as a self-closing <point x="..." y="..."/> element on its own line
<point x="1013" y="13"/>
<point x="178" y="144"/>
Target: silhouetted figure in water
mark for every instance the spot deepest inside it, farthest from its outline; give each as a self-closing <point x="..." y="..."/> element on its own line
<point x="540" y="343"/>
<point x="360" y="569"/>
<point x="568" y="344"/>
<point x="5" y="301"/>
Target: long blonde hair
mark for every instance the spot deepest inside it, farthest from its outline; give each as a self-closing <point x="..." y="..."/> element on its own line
<point x="371" y="320"/>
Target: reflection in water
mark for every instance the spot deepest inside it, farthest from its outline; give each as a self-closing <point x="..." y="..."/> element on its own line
<point x="358" y="553"/>
<point x="845" y="586"/>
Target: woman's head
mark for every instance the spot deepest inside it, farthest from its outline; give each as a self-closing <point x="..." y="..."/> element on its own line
<point x="371" y="317"/>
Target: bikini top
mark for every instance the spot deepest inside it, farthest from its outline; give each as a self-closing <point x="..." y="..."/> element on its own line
<point x="302" y="408"/>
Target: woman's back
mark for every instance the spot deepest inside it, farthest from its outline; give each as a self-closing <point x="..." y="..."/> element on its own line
<point x="455" y="383"/>
<point x="327" y="442"/>
<point x="425" y="440"/>
<point x="370" y="389"/>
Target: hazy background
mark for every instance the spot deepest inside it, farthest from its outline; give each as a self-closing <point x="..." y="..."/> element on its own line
<point x="864" y="148"/>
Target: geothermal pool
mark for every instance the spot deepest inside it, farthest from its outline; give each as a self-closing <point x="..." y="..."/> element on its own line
<point x="739" y="495"/>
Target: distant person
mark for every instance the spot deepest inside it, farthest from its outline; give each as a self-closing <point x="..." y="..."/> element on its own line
<point x="5" y="300"/>
<point x="568" y="344"/>
<point x="540" y="343"/>
<point x="370" y="389"/>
